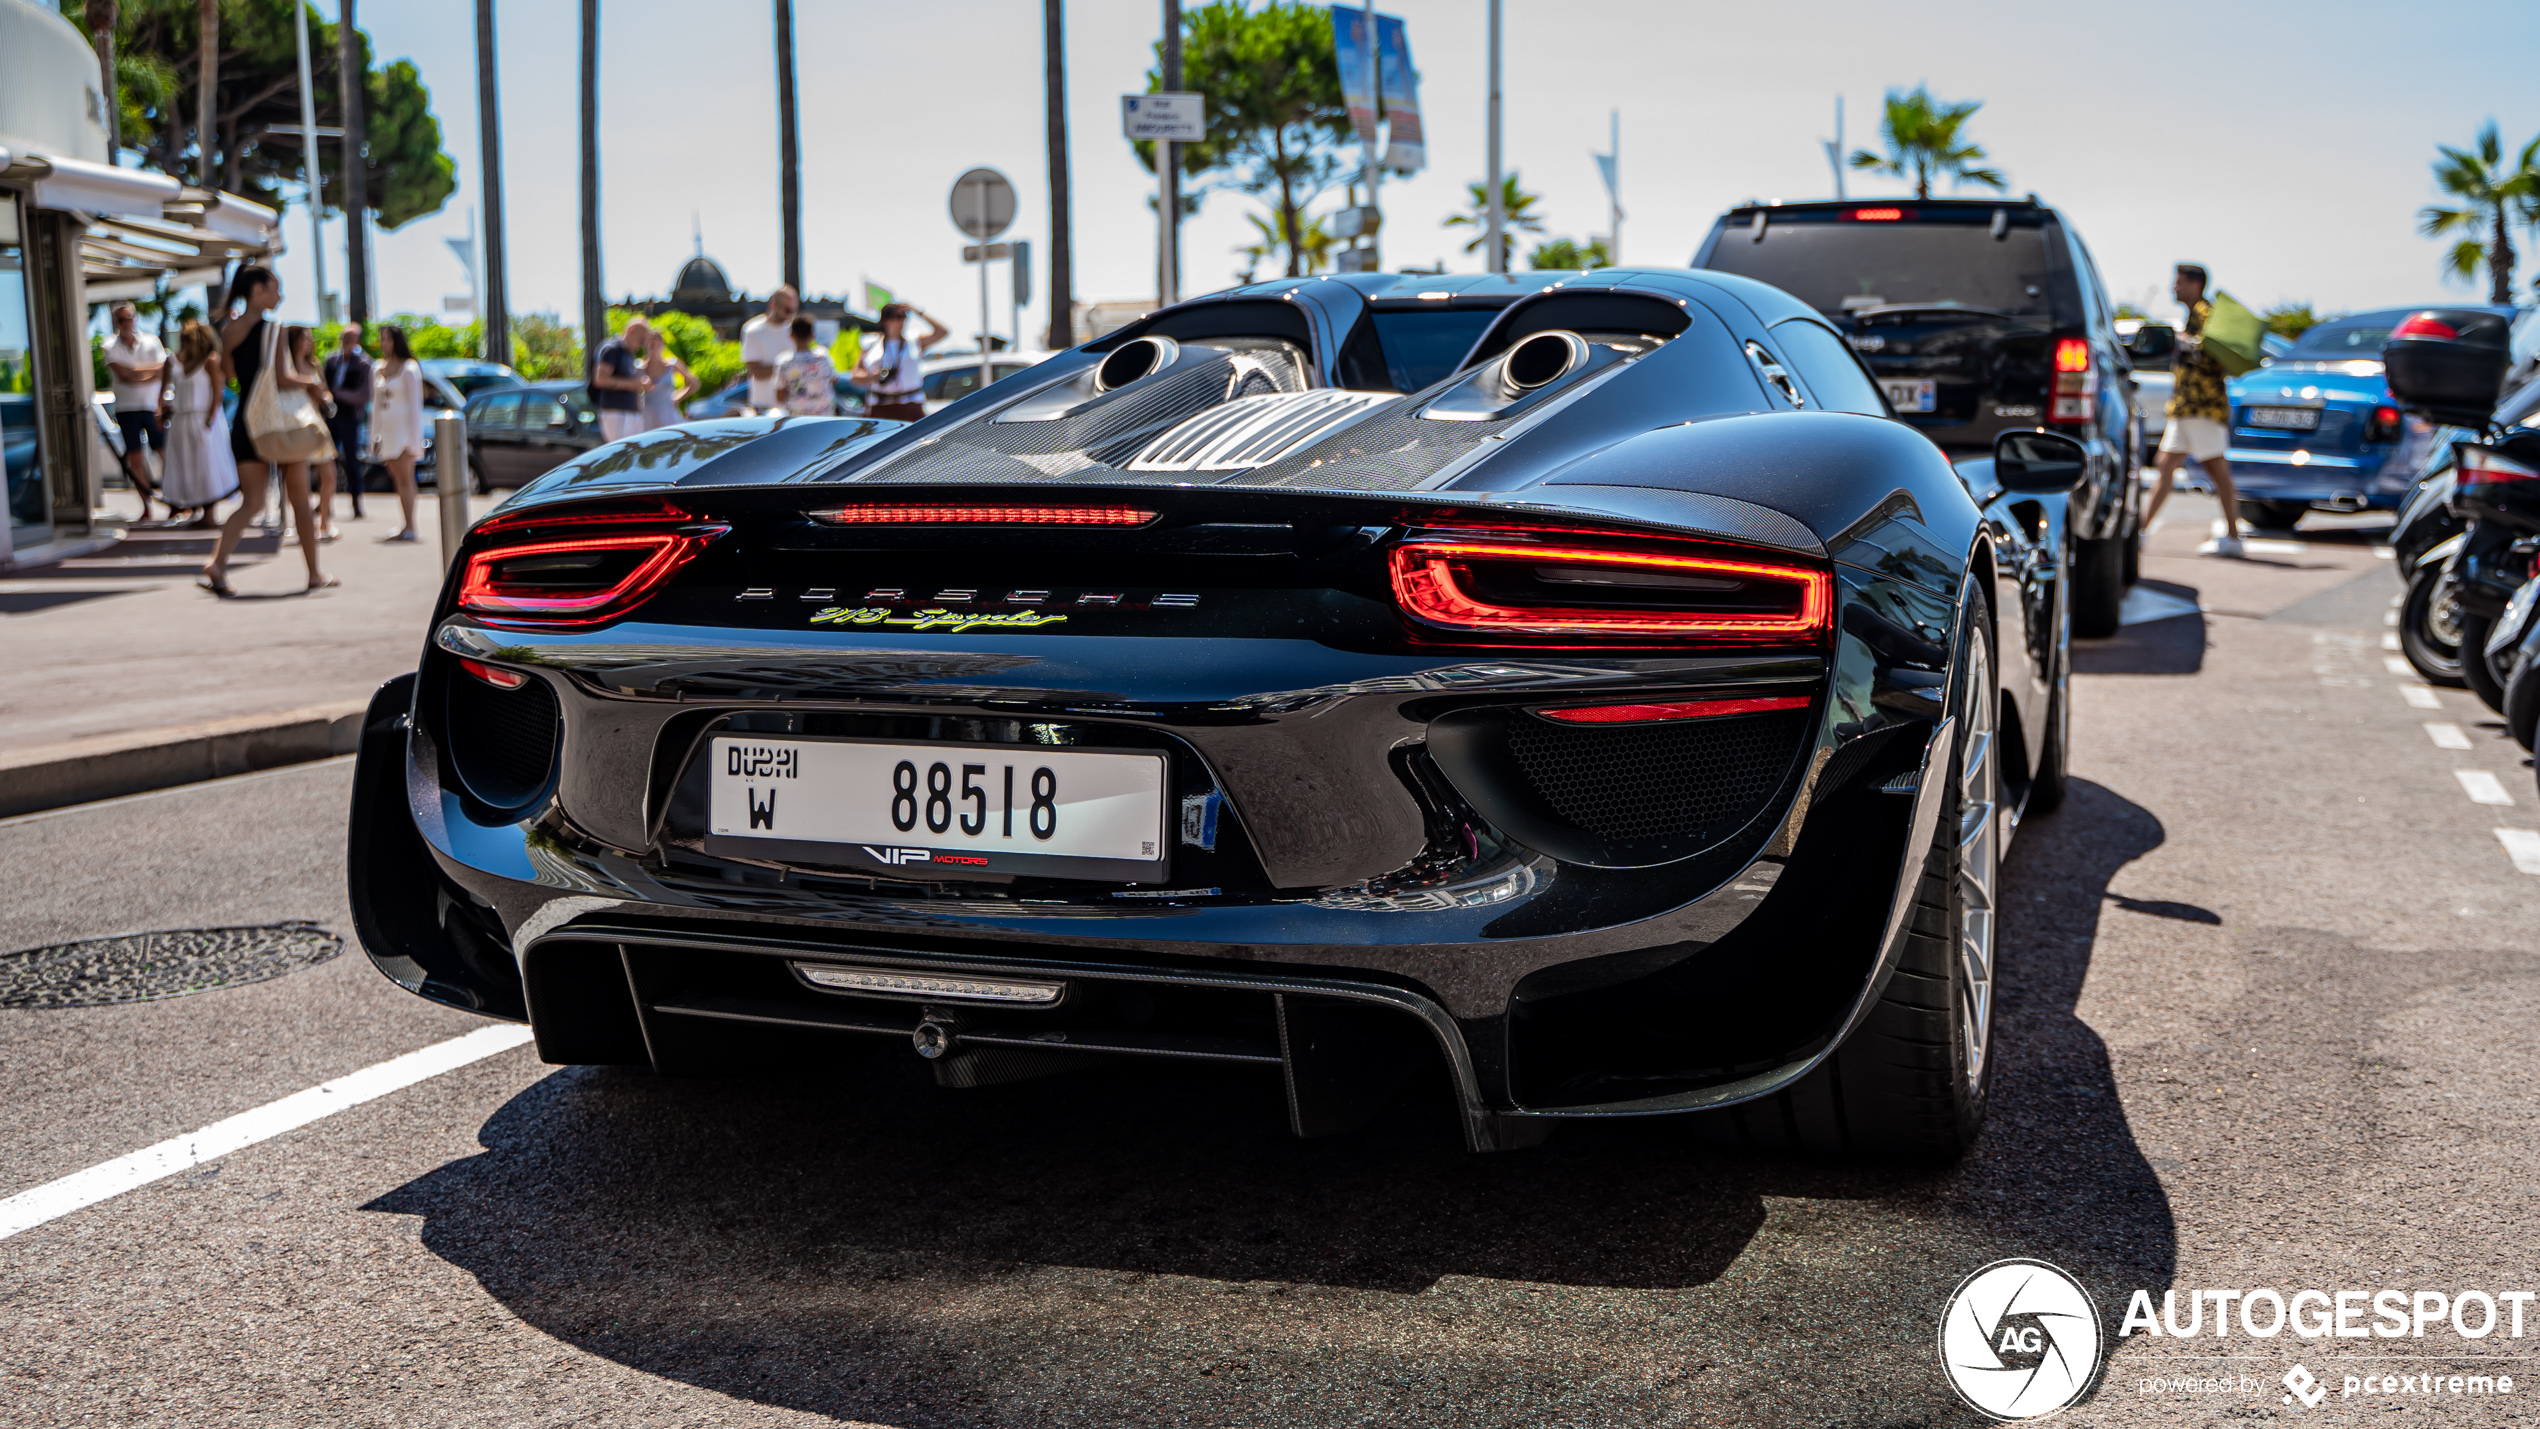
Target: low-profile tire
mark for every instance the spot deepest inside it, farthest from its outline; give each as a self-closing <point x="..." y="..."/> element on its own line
<point x="2046" y="783"/>
<point x="2477" y="671"/>
<point x="2133" y="559"/>
<point x="2098" y="586"/>
<point x="2429" y="629"/>
<point x="1911" y="1080"/>
<point x="2274" y="515"/>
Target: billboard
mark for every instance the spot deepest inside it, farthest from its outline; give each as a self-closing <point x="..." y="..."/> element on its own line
<point x="1398" y="81"/>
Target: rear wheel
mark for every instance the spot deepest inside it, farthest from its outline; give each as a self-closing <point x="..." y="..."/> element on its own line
<point x="2478" y="672"/>
<point x="2133" y="559"/>
<point x="2273" y="515"/>
<point x="2098" y="586"/>
<point x="1911" y="1080"/>
<point x="2522" y="701"/>
<point x="2046" y="785"/>
<point x="2430" y="628"/>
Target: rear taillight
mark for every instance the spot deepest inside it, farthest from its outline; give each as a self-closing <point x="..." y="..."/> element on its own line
<point x="2076" y="395"/>
<point x="901" y="515"/>
<point x="1503" y="584"/>
<point x="2425" y="325"/>
<point x="2383" y="425"/>
<point x="1880" y="215"/>
<point x="2485" y="466"/>
<point x="1674" y="710"/>
<point x="580" y="580"/>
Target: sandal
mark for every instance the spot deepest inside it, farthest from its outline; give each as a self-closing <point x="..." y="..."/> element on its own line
<point x="215" y="584"/>
<point x="328" y="582"/>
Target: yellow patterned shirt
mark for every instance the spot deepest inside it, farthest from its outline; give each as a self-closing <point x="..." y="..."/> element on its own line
<point x="2196" y="384"/>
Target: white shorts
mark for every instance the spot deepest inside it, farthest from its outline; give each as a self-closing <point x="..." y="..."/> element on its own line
<point x="617" y="426"/>
<point x="2197" y="438"/>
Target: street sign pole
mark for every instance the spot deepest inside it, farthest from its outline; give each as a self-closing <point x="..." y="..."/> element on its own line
<point x="1168" y="174"/>
<point x="982" y="210"/>
<point x="1375" y="129"/>
<point x="1496" y="205"/>
<point x="982" y="206"/>
<point x="1168" y="119"/>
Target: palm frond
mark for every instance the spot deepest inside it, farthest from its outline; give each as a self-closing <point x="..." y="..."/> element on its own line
<point x="2466" y="258"/>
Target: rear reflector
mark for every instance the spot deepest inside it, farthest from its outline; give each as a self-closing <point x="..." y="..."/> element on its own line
<point x="494" y="675"/>
<point x="927" y="987"/>
<point x="1675" y="709"/>
<point x="984" y="516"/>
<point x="1510" y="587"/>
<point x="1877" y="215"/>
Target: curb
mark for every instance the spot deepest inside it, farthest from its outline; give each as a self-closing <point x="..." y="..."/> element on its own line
<point x="51" y="776"/>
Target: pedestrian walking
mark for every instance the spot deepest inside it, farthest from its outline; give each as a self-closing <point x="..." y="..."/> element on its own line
<point x="765" y="340"/>
<point x="890" y="371"/>
<point x="252" y="351"/>
<point x="673" y="383"/>
<point x="618" y="382"/>
<point x="2199" y="417"/>
<point x="138" y="364"/>
<point x="303" y="345"/>
<point x="348" y="379"/>
<point x="200" y="472"/>
<point x="396" y="423"/>
<point x="807" y="380"/>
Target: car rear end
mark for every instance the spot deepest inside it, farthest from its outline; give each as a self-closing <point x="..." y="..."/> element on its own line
<point x="1336" y="787"/>
<point x="1969" y="314"/>
<point x="2317" y="427"/>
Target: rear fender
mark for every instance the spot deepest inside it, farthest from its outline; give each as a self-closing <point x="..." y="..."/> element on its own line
<point x="2442" y="551"/>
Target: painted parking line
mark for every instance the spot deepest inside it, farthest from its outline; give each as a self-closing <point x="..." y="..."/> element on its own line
<point x="2390" y="640"/>
<point x="55" y="1199"/>
<point x="2482" y="787"/>
<point x="2421" y="696"/>
<point x="2446" y="736"/>
<point x="2523" y="847"/>
<point x="2385" y="553"/>
<point x="2397" y="666"/>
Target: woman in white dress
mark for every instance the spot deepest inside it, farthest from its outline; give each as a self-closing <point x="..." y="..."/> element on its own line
<point x="200" y="472"/>
<point x="396" y="421"/>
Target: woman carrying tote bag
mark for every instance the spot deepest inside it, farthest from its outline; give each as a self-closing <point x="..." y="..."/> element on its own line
<point x="276" y="409"/>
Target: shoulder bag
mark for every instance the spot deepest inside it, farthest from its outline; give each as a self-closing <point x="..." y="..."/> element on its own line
<point x="2232" y="336"/>
<point x="282" y="422"/>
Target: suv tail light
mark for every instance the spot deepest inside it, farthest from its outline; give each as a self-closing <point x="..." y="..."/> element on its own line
<point x="578" y="567"/>
<point x="2076" y="395"/>
<point x="1504" y="583"/>
<point x="2485" y="466"/>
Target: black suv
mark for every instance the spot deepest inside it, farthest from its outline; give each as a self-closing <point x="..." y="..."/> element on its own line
<point x="1977" y="317"/>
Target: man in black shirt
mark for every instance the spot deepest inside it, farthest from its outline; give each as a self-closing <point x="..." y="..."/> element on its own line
<point x="618" y="382"/>
<point x="348" y="378"/>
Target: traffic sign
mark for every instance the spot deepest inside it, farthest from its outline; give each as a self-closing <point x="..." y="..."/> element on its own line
<point x="982" y="203"/>
<point x="1181" y="118"/>
<point x="997" y="252"/>
<point x="1354" y="222"/>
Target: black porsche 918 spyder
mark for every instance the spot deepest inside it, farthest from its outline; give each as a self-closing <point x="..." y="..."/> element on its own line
<point x="1581" y="684"/>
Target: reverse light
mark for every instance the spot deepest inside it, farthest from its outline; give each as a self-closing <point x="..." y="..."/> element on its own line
<point x="1878" y="215"/>
<point x="494" y="675"/>
<point x="576" y="580"/>
<point x="2485" y="466"/>
<point x="1500" y="585"/>
<point x="1675" y="710"/>
<point x="984" y="516"/>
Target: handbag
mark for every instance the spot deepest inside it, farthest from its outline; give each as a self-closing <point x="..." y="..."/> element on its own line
<point x="2232" y="336"/>
<point x="283" y="424"/>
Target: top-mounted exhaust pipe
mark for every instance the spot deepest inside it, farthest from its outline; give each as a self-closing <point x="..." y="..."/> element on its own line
<point x="1139" y="357"/>
<point x="1540" y="361"/>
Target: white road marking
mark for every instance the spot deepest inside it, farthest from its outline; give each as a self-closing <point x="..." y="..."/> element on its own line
<point x="2390" y="617"/>
<point x="2385" y="553"/>
<point x="2422" y="696"/>
<point x="2390" y="640"/>
<point x="2523" y="847"/>
<point x="2482" y="787"/>
<point x="2446" y="736"/>
<point x="2397" y="666"/>
<point x="107" y="1180"/>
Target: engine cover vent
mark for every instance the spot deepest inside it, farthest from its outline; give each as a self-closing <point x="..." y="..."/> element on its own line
<point x="1254" y="431"/>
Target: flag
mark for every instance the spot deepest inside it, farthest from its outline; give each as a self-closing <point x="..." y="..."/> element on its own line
<point x="876" y="297"/>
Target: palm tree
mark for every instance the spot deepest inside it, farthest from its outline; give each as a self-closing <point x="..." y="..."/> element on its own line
<point x="1563" y="253"/>
<point x="101" y="32"/>
<point x="595" y="303"/>
<point x="1517" y="209"/>
<point x="489" y="125"/>
<point x="1313" y="251"/>
<point x="789" y="162"/>
<point x="1923" y="141"/>
<point x="2494" y="191"/>
<point x="207" y="74"/>
<point x="1054" y="93"/>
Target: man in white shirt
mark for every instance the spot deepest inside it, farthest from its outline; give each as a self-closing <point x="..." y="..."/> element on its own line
<point x="765" y="340"/>
<point x="139" y="365"/>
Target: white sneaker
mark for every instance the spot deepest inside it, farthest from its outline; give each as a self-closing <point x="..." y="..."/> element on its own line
<point x="2220" y="528"/>
<point x="2221" y="546"/>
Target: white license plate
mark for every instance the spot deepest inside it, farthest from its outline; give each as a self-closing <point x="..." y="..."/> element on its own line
<point x="1910" y="395"/>
<point x="927" y="809"/>
<point x="2287" y="419"/>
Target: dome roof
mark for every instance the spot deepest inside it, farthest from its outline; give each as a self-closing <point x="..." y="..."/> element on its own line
<point x="701" y="280"/>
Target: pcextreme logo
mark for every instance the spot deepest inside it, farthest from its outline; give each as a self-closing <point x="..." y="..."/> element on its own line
<point x="2020" y="1340"/>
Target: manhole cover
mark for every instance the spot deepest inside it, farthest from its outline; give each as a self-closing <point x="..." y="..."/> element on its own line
<point x="138" y="967"/>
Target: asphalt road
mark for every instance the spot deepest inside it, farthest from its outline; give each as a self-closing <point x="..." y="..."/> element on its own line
<point x="2269" y="985"/>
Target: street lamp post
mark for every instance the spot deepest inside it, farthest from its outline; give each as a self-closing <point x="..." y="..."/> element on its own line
<point x="1168" y="167"/>
<point x="1495" y="205"/>
<point x="309" y="164"/>
<point x="494" y="307"/>
<point x="1375" y="126"/>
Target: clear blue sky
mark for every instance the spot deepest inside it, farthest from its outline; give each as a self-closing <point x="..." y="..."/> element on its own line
<point x="2286" y="146"/>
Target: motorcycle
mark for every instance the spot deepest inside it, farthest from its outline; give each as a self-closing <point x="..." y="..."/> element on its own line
<point x="2428" y="533"/>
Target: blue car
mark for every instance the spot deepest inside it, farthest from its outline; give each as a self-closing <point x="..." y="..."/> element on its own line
<point x="2315" y="428"/>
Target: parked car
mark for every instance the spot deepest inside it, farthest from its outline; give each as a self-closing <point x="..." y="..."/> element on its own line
<point x="467" y="376"/>
<point x="1977" y="317"/>
<point x="2150" y="345"/>
<point x="2317" y="427"/>
<point x="733" y="400"/>
<point x="516" y="433"/>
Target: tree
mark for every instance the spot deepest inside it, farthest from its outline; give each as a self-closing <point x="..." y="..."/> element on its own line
<point x="2494" y="191"/>
<point x="2293" y="319"/>
<point x="1924" y="142"/>
<point x="1313" y="255"/>
<point x="255" y="89"/>
<point x="1517" y="208"/>
<point x="1561" y="253"/>
<point x="1275" y="118"/>
<point x="1062" y="334"/>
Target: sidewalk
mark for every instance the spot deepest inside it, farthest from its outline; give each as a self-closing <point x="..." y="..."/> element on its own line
<point x="124" y="676"/>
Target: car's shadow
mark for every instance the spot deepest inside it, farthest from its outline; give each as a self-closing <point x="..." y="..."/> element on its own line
<point x="2166" y="644"/>
<point x="865" y="1245"/>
